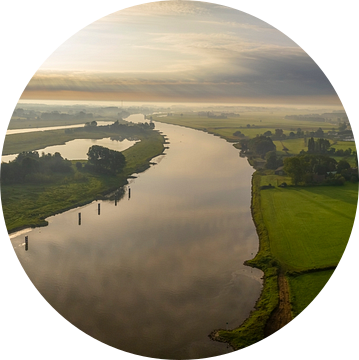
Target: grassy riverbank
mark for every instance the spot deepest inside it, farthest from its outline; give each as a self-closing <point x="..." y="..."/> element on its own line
<point x="303" y="243"/>
<point x="27" y="205"/>
<point x="302" y="231"/>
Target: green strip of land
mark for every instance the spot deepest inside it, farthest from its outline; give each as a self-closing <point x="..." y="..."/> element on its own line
<point x="17" y="143"/>
<point x="26" y="205"/>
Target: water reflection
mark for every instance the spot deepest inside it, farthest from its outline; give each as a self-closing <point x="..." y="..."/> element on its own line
<point x="77" y="149"/>
<point x="155" y="275"/>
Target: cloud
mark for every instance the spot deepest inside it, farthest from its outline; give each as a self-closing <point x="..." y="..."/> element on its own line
<point x="180" y="50"/>
<point x="161" y="8"/>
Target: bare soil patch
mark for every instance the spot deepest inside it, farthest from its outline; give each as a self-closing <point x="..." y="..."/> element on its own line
<point x="282" y="315"/>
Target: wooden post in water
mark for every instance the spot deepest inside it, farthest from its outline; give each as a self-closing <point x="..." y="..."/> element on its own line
<point x="98" y="208"/>
<point x="79" y="218"/>
<point x="115" y="201"/>
<point x="129" y="193"/>
<point x="26" y="243"/>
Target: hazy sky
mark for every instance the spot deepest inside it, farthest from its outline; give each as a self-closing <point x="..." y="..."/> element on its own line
<point x="181" y="51"/>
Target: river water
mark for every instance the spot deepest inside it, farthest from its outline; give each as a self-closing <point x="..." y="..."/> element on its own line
<point x="155" y="273"/>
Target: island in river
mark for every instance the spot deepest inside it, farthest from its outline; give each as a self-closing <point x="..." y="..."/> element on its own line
<point x="26" y="202"/>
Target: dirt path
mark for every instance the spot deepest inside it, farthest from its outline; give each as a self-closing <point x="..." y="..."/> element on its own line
<point x="282" y="314"/>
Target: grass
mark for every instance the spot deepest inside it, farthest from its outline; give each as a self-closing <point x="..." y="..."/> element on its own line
<point x="17" y="143"/>
<point x="291" y="242"/>
<point x="26" y="205"/>
<point x="252" y="330"/>
<point x="344" y="145"/>
<point x="304" y="288"/>
<point x="298" y="241"/>
<point x="226" y="127"/>
<point x="303" y="231"/>
<point x="294" y="146"/>
<point x="24" y="123"/>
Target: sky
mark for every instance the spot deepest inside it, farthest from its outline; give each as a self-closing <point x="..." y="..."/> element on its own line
<point x="181" y="51"/>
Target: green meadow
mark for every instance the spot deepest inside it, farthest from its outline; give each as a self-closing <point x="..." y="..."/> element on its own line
<point x="17" y="143"/>
<point x="309" y="227"/>
<point x="304" y="288"/>
<point x="344" y="145"/>
<point x="250" y="124"/>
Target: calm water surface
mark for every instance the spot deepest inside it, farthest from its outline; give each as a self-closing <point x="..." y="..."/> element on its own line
<point x="77" y="149"/>
<point x="155" y="274"/>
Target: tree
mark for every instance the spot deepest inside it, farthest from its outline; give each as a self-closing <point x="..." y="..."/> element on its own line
<point x="260" y="145"/>
<point x="272" y="161"/>
<point x="311" y="145"/>
<point x="106" y="160"/>
<point x="294" y="168"/>
<point x="278" y="132"/>
<point x="342" y="165"/>
<point x="342" y="126"/>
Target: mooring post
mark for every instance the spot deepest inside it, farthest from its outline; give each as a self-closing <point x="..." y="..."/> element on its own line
<point x="115" y="201"/>
<point x="79" y="218"/>
<point x="129" y="192"/>
<point x="26" y="243"/>
<point x="98" y="208"/>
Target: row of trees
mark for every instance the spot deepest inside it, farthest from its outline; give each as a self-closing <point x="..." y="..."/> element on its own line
<point x="29" y="166"/>
<point x="310" y="168"/>
<point x="323" y="146"/>
<point x="319" y="146"/>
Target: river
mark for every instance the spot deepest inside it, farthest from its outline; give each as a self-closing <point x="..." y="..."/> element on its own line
<point x="156" y="272"/>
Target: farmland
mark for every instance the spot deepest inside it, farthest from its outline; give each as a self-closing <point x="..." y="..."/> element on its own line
<point x="303" y="231"/>
<point x="309" y="226"/>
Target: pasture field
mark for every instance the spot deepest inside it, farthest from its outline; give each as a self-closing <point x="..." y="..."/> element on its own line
<point x="344" y="145"/>
<point x="23" y="123"/>
<point x="259" y="122"/>
<point x="294" y="146"/>
<point x="304" y="288"/>
<point x="309" y="227"/>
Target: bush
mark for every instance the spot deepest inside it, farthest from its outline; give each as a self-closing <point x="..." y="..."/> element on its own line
<point x="336" y="180"/>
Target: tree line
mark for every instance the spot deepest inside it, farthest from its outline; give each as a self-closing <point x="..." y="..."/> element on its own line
<point x="323" y="146"/>
<point x="311" y="169"/>
<point x="30" y="167"/>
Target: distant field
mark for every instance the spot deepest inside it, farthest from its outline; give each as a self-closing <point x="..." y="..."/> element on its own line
<point x="344" y="145"/>
<point x="294" y="146"/>
<point x="309" y="227"/>
<point x="226" y="127"/>
<point x="304" y="288"/>
<point x="21" y="123"/>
